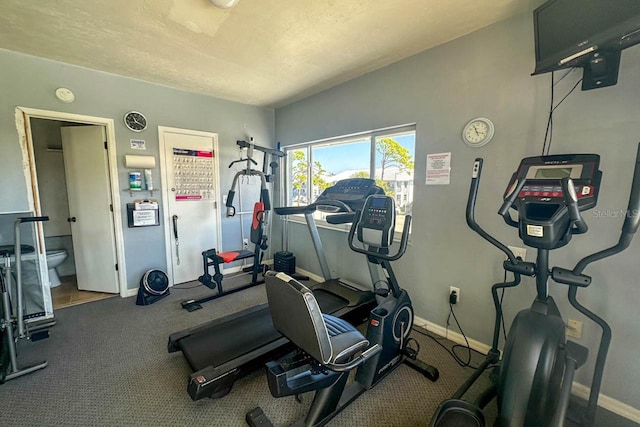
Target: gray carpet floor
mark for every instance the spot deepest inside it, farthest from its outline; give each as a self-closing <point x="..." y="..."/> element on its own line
<point x="109" y="366"/>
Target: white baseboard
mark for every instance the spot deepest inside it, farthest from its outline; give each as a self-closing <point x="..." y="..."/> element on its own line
<point x="451" y="335"/>
<point x="577" y="389"/>
<point x="608" y="403"/>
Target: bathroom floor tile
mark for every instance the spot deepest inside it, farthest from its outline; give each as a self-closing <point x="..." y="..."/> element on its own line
<point x="67" y="294"/>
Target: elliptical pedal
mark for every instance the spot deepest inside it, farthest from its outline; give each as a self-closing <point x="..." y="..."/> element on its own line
<point x="257" y="418"/>
<point x="458" y="413"/>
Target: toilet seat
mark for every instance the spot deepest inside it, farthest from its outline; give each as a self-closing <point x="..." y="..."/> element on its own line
<point x="55" y="252"/>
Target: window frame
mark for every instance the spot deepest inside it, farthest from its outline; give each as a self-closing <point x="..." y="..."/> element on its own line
<point x="372" y="136"/>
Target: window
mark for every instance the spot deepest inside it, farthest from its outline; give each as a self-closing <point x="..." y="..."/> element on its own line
<point x="386" y="156"/>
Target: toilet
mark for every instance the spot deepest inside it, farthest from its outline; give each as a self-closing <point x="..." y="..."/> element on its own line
<point x="54" y="259"/>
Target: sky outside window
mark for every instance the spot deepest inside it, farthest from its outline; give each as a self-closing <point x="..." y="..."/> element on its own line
<point x="340" y="157"/>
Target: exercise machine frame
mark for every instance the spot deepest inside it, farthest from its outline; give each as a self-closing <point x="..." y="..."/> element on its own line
<point x="12" y="325"/>
<point x="213" y="257"/>
<point x="538" y="365"/>
<point x="387" y="332"/>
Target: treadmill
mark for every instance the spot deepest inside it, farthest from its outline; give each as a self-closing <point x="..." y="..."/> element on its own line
<point x="226" y="349"/>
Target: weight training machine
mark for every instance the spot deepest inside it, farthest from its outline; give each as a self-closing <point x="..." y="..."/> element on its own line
<point x="213" y="257"/>
<point x="535" y="375"/>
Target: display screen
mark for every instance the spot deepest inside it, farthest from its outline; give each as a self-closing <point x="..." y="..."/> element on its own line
<point x="553" y="173"/>
<point x="378" y="202"/>
<point x="566" y="27"/>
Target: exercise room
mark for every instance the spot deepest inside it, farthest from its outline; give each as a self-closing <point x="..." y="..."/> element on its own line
<point x="312" y="212"/>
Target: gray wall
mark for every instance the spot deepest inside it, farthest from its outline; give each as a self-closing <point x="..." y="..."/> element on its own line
<point x="30" y="82"/>
<point x="487" y="73"/>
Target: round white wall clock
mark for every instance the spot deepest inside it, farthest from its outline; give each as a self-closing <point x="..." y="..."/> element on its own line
<point x="478" y="132"/>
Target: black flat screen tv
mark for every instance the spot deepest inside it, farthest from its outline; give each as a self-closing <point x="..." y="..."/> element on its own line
<point x="568" y="33"/>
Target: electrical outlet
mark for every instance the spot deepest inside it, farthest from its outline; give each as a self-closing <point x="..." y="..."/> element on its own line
<point x="574" y="328"/>
<point x="518" y="252"/>
<point x="456" y="290"/>
<point x="245" y="243"/>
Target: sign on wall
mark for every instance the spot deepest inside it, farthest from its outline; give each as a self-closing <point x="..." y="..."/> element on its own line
<point x="193" y="174"/>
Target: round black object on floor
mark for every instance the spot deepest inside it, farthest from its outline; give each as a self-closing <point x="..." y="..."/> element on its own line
<point x="154" y="285"/>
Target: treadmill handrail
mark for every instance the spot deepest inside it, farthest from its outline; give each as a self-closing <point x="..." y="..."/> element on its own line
<point x="341" y="218"/>
<point x="293" y="210"/>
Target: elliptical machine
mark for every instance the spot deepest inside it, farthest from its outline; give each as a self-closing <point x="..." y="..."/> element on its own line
<point x="330" y="347"/>
<point x="12" y="323"/>
<point x="538" y="364"/>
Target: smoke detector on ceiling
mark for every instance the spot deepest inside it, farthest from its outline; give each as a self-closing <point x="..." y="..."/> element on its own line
<point x="224" y="4"/>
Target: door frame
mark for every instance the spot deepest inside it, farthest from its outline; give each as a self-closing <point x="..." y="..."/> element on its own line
<point x="165" y="189"/>
<point x="23" y="116"/>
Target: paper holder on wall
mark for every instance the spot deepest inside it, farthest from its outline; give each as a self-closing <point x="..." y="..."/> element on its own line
<point x="142" y="162"/>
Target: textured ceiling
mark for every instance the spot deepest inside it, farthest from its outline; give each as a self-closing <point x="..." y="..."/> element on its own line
<point x="261" y="52"/>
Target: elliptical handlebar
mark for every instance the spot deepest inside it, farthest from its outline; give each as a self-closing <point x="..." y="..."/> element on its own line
<point x="571" y="200"/>
<point x="404" y="239"/>
<point x="629" y="227"/>
<point x="508" y="202"/>
<point x="471" y="206"/>
<point x="632" y="220"/>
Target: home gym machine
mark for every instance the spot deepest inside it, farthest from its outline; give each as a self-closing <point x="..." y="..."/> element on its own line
<point x="226" y="349"/>
<point x="212" y="257"/>
<point x="538" y="364"/>
<point x="329" y="348"/>
<point x="13" y="326"/>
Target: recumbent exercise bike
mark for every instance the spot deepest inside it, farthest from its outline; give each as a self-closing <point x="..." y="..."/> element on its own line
<point x="330" y="347"/>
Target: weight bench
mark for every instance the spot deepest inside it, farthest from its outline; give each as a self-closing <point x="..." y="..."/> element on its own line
<point x="214" y="258"/>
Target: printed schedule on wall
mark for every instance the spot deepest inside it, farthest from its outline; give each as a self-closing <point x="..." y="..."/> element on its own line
<point x="193" y="174"/>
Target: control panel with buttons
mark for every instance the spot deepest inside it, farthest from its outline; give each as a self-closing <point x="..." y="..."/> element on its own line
<point x="377" y="221"/>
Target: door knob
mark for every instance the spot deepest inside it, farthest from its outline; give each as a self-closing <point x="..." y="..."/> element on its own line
<point x="72" y="219"/>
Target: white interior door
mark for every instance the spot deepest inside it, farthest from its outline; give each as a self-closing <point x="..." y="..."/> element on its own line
<point x="92" y="229"/>
<point x="190" y="185"/>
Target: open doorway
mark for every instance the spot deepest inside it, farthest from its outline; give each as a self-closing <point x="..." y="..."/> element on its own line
<point x="71" y="174"/>
<point x="55" y="170"/>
